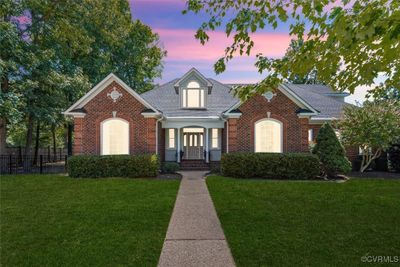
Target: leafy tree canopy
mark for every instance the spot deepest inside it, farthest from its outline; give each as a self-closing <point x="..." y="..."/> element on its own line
<point x="374" y="127"/>
<point x="52" y="52"/>
<point x="348" y="45"/>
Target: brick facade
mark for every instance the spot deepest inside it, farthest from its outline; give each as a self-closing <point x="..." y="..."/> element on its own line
<point x="144" y="137"/>
<point x="281" y="108"/>
<point x="142" y="131"/>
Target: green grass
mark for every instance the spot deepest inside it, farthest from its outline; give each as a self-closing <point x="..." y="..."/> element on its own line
<point x="297" y="223"/>
<point x="60" y="221"/>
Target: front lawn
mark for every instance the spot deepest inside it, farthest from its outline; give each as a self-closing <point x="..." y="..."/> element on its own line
<point x="300" y="223"/>
<point x="60" y="221"/>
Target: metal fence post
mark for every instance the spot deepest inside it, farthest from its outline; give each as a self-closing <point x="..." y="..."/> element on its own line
<point x="66" y="162"/>
<point x="10" y="164"/>
<point x="41" y="164"/>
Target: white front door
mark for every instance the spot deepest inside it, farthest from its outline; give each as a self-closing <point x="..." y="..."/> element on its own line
<point x="193" y="145"/>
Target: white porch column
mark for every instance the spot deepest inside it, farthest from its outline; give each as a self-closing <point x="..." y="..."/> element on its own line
<point x="178" y="146"/>
<point x="207" y="141"/>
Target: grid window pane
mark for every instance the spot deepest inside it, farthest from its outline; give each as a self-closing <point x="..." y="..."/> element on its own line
<point x="171" y="138"/>
<point x="214" y="138"/>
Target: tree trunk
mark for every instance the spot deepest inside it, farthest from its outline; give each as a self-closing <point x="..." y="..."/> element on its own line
<point x="3" y="122"/>
<point x="3" y="136"/>
<point x="37" y="137"/>
<point x="53" y="133"/>
<point x="368" y="158"/>
<point x="29" y="136"/>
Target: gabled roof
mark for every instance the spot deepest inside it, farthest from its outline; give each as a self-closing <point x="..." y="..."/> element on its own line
<point x="193" y="73"/>
<point x="321" y="98"/>
<point x="317" y="101"/>
<point x="165" y="99"/>
<point x="77" y="108"/>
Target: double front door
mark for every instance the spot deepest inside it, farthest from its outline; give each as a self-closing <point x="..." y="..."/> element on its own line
<point x="193" y="145"/>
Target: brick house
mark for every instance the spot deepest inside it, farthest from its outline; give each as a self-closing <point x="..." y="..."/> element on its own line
<point x="192" y="120"/>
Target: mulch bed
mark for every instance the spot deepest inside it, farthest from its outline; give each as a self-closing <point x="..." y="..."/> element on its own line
<point x="375" y="174"/>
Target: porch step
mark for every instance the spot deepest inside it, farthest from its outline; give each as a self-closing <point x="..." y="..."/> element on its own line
<point x="194" y="165"/>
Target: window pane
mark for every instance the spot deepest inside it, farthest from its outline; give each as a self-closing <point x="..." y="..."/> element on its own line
<point x="171" y="138"/>
<point x="193" y="98"/>
<point x="184" y="98"/>
<point x="115" y="137"/>
<point x="201" y="139"/>
<point x="214" y="138"/>
<point x="268" y="136"/>
<point x="310" y="135"/>
<point x="193" y="84"/>
<point x="201" y="98"/>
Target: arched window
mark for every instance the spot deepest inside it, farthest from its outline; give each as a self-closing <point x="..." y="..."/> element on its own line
<point x="114" y="137"/>
<point x="268" y="136"/>
<point x="193" y="96"/>
<point x="193" y="84"/>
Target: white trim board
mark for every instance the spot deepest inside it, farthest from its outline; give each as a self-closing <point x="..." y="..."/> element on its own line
<point x="100" y="87"/>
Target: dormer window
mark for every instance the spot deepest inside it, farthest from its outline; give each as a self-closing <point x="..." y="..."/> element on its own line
<point x="193" y="96"/>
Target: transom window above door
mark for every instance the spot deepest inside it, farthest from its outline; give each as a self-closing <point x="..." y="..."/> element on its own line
<point x="193" y="96"/>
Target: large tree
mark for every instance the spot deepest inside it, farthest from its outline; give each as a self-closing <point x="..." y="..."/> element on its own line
<point x="69" y="46"/>
<point x="374" y="127"/>
<point x="348" y="43"/>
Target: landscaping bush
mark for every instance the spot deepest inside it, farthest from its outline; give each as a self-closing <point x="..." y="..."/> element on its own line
<point x="330" y="152"/>
<point x="170" y="167"/>
<point x="113" y="166"/>
<point x="394" y="157"/>
<point x="270" y="165"/>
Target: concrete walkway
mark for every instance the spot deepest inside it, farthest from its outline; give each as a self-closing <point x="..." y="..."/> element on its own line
<point x="195" y="236"/>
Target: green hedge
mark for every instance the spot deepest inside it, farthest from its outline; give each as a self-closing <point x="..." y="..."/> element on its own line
<point x="113" y="166"/>
<point x="270" y="165"/>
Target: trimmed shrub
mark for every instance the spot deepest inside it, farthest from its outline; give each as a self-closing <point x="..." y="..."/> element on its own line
<point x="330" y="152"/>
<point x="113" y="166"/>
<point x="270" y="165"/>
<point x="170" y="167"/>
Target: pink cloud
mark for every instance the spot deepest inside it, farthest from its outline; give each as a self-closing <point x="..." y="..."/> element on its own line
<point x="181" y="44"/>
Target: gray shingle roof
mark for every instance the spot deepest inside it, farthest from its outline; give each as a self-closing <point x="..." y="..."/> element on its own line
<point x="320" y="98"/>
<point x="166" y="100"/>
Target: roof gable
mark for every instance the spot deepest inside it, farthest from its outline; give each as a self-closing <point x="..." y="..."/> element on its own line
<point x="79" y="105"/>
<point x="193" y="74"/>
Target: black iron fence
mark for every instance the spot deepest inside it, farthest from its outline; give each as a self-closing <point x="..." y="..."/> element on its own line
<point x="23" y="164"/>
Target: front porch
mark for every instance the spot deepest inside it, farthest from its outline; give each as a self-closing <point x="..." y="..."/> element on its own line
<point x="192" y="142"/>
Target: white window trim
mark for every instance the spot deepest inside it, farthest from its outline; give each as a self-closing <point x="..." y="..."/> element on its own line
<point x="255" y="134"/>
<point x="218" y="139"/>
<point x="102" y="135"/>
<point x="200" y="89"/>
<point x="168" y="138"/>
<point x="310" y="135"/>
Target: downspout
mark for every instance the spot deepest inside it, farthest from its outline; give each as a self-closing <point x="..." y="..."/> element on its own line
<point x="157" y="121"/>
<point x="227" y="132"/>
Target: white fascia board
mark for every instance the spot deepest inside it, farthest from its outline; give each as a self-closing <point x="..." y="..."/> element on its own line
<point x="188" y="118"/>
<point x="193" y="70"/>
<point x="232" y="115"/>
<point x="151" y="115"/>
<point x="74" y="114"/>
<point x="103" y="84"/>
<point x="296" y="99"/>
